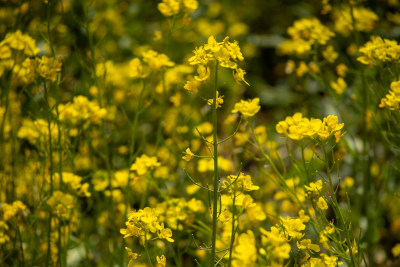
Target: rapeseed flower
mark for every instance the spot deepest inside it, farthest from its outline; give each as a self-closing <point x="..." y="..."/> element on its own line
<point x="245" y="252"/>
<point x="144" y="164"/>
<point x="188" y="155"/>
<point x="392" y="100"/>
<point x="379" y="50"/>
<point x="247" y="108"/>
<point x="226" y="53"/>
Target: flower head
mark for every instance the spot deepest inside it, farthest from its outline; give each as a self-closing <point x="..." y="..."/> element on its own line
<point x="247" y="108"/>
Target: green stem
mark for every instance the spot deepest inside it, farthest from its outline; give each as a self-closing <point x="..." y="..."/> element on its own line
<point x="144" y="196"/>
<point x="304" y="161"/>
<point x="59" y="246"/>
<point x="46" y="98"/>
<point x="132" y="147"/>
<point x="6" y="103"/>
<point x="147" y="250"/>
<point x="216" y="171"/>
<point x="337" y="208"/>
<point x="233" y="229"/>
<point x="48" y="256"/>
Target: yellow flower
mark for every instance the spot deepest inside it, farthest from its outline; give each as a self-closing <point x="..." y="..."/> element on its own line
<point x="130" y="230"/>
<point x="212" y="45"/>
<point x="303" y="216"/>
<point x="189" y="155"/>
<point x="348" y="182"/>
<point x="304" y="34"/>
<point x="247" y="108"/>
<point x="396" y="250"/>
<point x="240" y="183"/>
<point x="157" y="60"/>
<point x="280" y="248"/>
<point x="190" y="5"/>
<point x="169" y="7"/>
<point x="238" y="75"/>
<point x="364" y="19"/>
<point x="245" y="252"/>
<point x="11" y="210"/>
<point x="392" y="100"/>
<point x="191" y="87"/>
<point x="314" y="187"/>
<point x="302" y="69"/>
<point x="204" y="73"/>
<point x="143" y="164"/>
<point x="219" y="101"/>
<point x="225" y="53"/>
<point x="306" y="244"/>
<point x="341" y="70"/>
<point x="136" y="68"/>
<point x="161" y="261"/>
<point x="22" y="42"/>
<point x="48" y="68"/>
<point x="330" y="54"/>
<point x="322" y="204"/>
<point x="293" y="227"/>
<point x="379" y="50"/>
<point x="297" y="127"/>
<point x="339" y="85"/>
<point x="132" y="256"/>
<point x="166" y="233"/>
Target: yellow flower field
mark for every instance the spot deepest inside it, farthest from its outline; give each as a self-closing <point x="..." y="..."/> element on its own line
<point x="199" y="133"/>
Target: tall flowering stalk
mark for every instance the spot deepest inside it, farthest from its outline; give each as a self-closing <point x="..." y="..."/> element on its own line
<point x="222" y="54"/>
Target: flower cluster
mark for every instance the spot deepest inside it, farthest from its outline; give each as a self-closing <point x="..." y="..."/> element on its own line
<point x="37" y="132"/>
<point x="225" y="53"/>
<point x="74" y="182"/>
<point x="173" y="7"/>
<point x="364" y="19"/>
<point x="239" y="183"/>
<point x="392" y="100"/>
<point x="146" y="221"/>
<point x="379" y="50"/>
<point x="144" y="164"/>
<point x="275" y="244"/>
<point x="80" y="110"/>
<point x="12" y="210"/>
<point x="48" y="68"/>
<point x="304" y="34"/>
<point x="17" y="41"/>
<point x="298" y="128"/>
<point x="245" y="252"/>
<point x="9" y="212"/>
<point x="247" y="108"/>
<point x="156" y="60"/>
<point x="61" y="204"/>
<point x="178" y="211"/>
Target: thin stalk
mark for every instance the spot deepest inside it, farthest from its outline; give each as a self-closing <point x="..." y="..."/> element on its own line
<point x="132" y="147"/>
<point x="233" y="229"/>
<point x="336" y="206"/>
<point x="144" y="196"/>
<point x="48" y="256"/>
<point x="59" y="246"/>
<point x="147" y="251"/>
<point x="9" y="195"/>
<point x="216" y="171"/>
<point x="304" y="161"/>
<point x="46" y="98"/>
